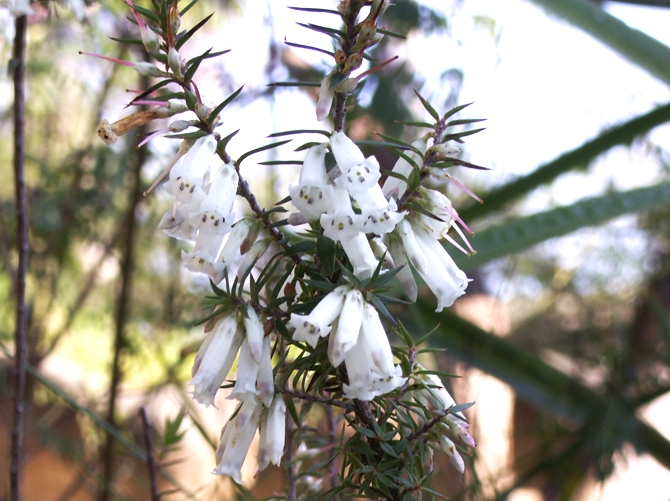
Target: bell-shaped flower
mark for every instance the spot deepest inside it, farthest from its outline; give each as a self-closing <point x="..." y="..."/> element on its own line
<point x="446" y="281"/>
<point x="254" y="332"/>
<point x="360" y="255"/>
<point x="241" y="238"/>
<point x="370" y="362"/>
<point x="405" y="275"/>
<point x="251" y="257"/>
<point x="379" y="215"/>
<point x="236" y="437"/>
<point x="309" y="328"/>
<point x="351" y="316"/>
<point x="247" y="372"/>
<point x="265" y="381"/>
<point x="215" y="271"/>
<point x="273" y="433"/>
<point x="215" y="359"/>
<point x="447" y="447"/>
<point x="358" y="174"/>
<point x="341" y="222"/>
<point x="312" y="196"/>
<point x="395" y="187"/>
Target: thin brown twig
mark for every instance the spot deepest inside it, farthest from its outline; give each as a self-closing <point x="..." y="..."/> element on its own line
<point x="151" y="462"/>
<point x="320" y="400"/>
<point x="291" y="488"/>
<point x="332" y="440"/>
<point x="18" y="60"/>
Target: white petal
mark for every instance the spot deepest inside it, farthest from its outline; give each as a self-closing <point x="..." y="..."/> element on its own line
<point x="244" y="425"/>
<point x="349" y="326"/>
<point x="273" y="433"/>
<point x="311" y="201"/>
<point x="254" y="333"/>
<point x="313" y="170"/>
<point x="247" y="371"/>
<point x="360" y="255"/>
<point x="265" y="382"/>
<point x="346" y="153"/>
<point x="394" y="187"/>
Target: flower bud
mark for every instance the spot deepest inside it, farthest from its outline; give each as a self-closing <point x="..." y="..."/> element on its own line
<point x="174" y="61"/>
<point x="352" y="63"/>
<point x="150" y="40"/>
<point x="175" y="21"/>
<point x="149" y="70"/>
<point x="179" y="125"/>
<point x="202" y="111"/>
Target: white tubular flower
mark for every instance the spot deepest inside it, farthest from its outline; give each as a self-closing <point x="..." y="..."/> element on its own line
<point x="245" y="230"/>
<point x="212" y="226"/>
<point x="445" y="279"/>
<point x="325" y="97"/>
<point x="358" y="174"/>
<point x="313" y="172"/>
<point x="346" y="153"/>
<point x="222" y="189"/>
<point x="235" y="441"/>
<point x="215" y="358"/>
<point x="433" y="249"/>
<point x="196" y="161"/>
<point x="448" y="448"/>
<point x="273" y="433"/>
<point x="341" y="223"/>
<point x="379" y="215"/>
<point x="370" y="363"/>
<point x="348" y="328"/>
<point x="313" y="195"/>
<point x="411" y="247"/>
<point x="255" y="334"/>
<point x="317" y="324"/>
<point x="247" y="372"/>
<point x="250" y="258"/>
<point x="215" y="271"/>
<point x="405" y="275"/>
<point x="188" y="197"/>
<point x="380" y="251"/>
<point x="311" y="201"/>
<point x="266" y="382"/>
<point x="394" y="187"/>
<point x="360" y="255"/>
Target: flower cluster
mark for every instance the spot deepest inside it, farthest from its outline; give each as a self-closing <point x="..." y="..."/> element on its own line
<point x="329" y="197"/>
<point x="416" y="238"/>
<point x="356" y="337"/>
<point x="433" y="395"/>
<point x="240" y="335"/>
<point x="322" y="321"/>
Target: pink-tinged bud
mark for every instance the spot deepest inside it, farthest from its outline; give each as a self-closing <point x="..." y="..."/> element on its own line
<point x="175" y="21"/>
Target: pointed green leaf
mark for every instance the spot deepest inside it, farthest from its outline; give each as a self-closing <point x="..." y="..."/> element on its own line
<point x="182" y="38"/>
<point x="427" y="106"/>
<point x="258" y="150"/>
<point x="221" y="145"/>
<point x="332" y="32"/>
<point x="326" y="250"/>
<point x="455" y="110"/>
<point x="223" y="104"/>
<point x="300" y="131"/>
<point x="309" y="47"/>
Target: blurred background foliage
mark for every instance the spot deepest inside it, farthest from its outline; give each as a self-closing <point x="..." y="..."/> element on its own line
<point x="576" y="330"/>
